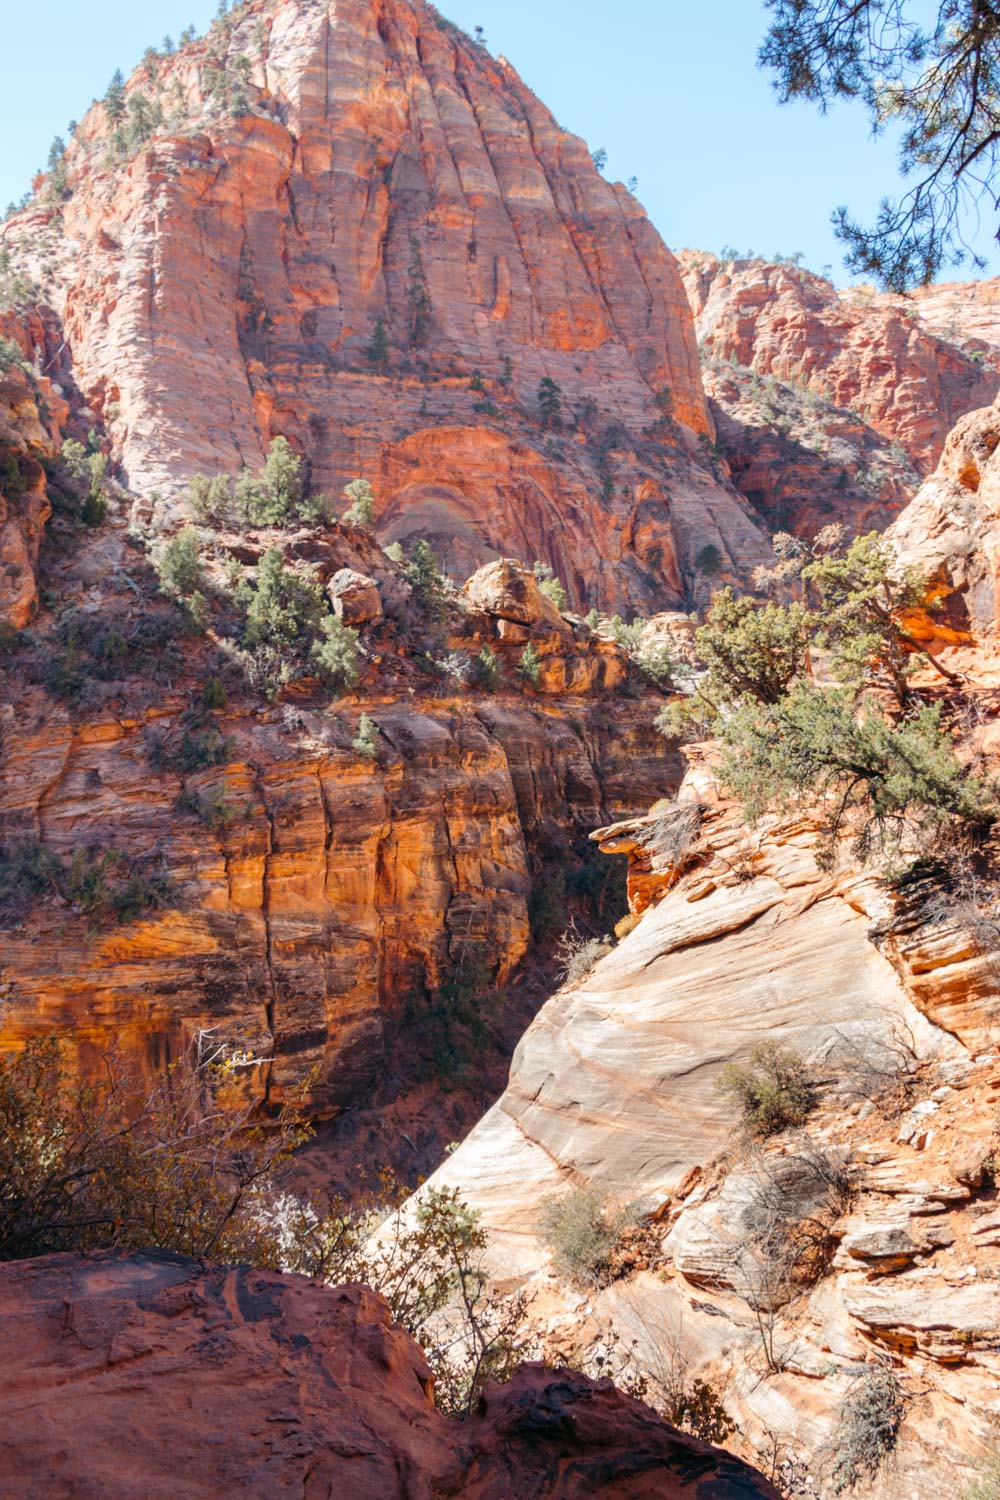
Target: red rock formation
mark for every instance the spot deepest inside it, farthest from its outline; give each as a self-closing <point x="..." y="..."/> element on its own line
<point x="950" y="531"/>
<point x="876" y="360"/>
<point x="149" y="1375"/>
<point x="226" y="284"/>
<point x="26" y="438"/>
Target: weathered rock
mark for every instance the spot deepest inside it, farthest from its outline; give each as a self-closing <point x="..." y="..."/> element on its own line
<point x="206" y="303"/>
<point x="336" y="890"/>
<point x="615" y="1080"/>
<point x="355" y="598"/>
<point x="510" y="592"/>
<point x="172" y="1378"/>
<point x="950" y="1325"/>
<point x="950" y="531"/>
<point x="873" y="357"/>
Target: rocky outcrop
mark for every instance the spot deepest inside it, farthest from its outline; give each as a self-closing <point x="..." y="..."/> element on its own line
<point x="310" y="891"/>
<point x="744" y="939"/>
<point x="950" y="531"/>
<point x="171" y="1375"/>
<point x="27" y="437"/>
<point x="876" y="360"/>
<point x="380" y="253"/>
<point x="831" y="406"/>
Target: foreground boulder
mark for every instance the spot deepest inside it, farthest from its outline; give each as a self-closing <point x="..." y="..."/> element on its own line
<point x="148" y="1375"/>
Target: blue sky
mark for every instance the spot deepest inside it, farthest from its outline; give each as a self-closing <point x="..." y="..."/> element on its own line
<point x="668" y="87"/>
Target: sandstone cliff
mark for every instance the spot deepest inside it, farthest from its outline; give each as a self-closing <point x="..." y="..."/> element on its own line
<point x="317" y="177"/>
<point x="832" y="405"/>
<point x="744" y="940"/>
<point x="308" y="897"/>
<point x="170" y="1379"/>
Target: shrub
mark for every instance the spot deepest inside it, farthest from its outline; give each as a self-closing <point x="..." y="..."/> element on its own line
<point x="550" y="585"/>
<point x="213" y="694"/>
<point x="315" y="510"/>
<point x="891" y="779"/>
<point x="582" y="1230"/>
<point x="870" y="1419"/>
<point x="425" y="577"/>
<point x="864" y="597"/>
<point x="179" y="567"/>
<point x="334" y="654"/>
<point x="107" y="886"/>
<point x="188" y="1169"/>
<point x="111" y="887"/>
<point x="11" y="357"/>
<point x="752" y="650"/>
<point x="773" y="1092"/>
<point x="709" y="560"/>
<point x="283" y="605"/>
<point x="361" y="510"/>
<point x="213" y="808"/>
<point x="210" y="499"/>
<point x="530" y="665"/>
<point x="86" y="469"/>
<point x="579" y="954"/>
<point x="550" y="403"/>
<point x="485" y="671"/>
<point x="366" y="741"/>
<point x="27" y="870"/>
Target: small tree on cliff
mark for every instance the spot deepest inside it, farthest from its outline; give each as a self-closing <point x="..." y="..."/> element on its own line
<point x="378" y="349"/>
<point x="361" y="510"/>
<point x="550" y="403"/>
<point x="114" y="99"/>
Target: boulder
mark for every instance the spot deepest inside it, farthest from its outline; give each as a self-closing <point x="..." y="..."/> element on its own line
<point x="355" y="597"/>
<point x="510" y="593"/>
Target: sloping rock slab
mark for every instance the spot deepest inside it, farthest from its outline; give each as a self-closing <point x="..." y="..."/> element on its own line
<point x="146" y="1377"/>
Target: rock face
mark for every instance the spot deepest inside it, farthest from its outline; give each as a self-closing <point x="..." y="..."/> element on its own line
<point x="25" y="440"/>
<point x="315" y="892"/>
<point x="642" y="1038"/>
<point x="832" y="406"/>
<point x="744" y="939"/>
<point x="272" y="1386"/>
<point x="388" y="179"/>
<point x="878" y="360"/>
<point x="950" y="530"/>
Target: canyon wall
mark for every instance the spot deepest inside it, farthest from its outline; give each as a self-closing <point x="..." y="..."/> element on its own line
<point x="833" y="405"/>
<point x="387" y="178"/>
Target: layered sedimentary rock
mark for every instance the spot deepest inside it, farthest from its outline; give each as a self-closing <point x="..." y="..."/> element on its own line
<point x="380" y="253"/>
<point x="307" y="892"/>
<point x="877" y="360"/>
<point x="30" y="416"/>
<point x="743" y="939"/>
<point x="950" y="531"/>
<point x="830" y="406"/>
<point x="170" y="1377"/>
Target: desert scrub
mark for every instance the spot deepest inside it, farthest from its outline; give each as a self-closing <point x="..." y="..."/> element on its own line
<point x="107" y="886"/>
<point x="870" y="1418"/>
<point x="583" y="1231"/>
<point x="578" y="954"/>
<point x="366" y="742"/>
<point x="773" y="1092"/>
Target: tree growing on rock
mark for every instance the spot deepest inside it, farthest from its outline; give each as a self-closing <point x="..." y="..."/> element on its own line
<point x="361" y="510"/>
<point x="550" y="403"/>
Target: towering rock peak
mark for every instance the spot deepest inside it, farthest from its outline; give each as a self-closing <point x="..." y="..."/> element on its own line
<point x="347" y="223"/>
